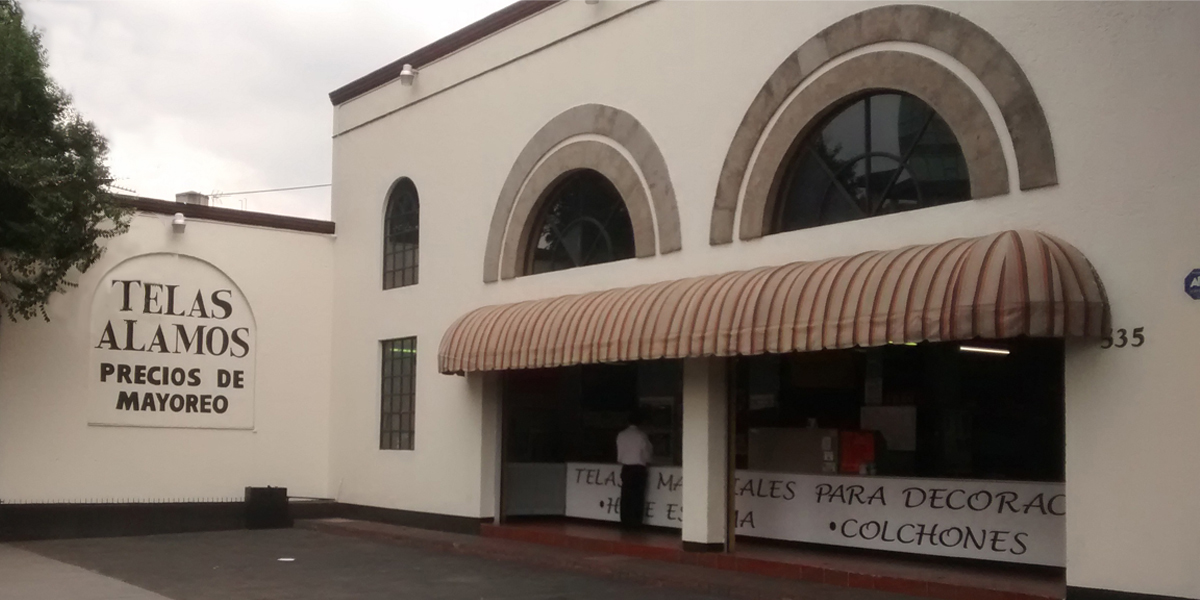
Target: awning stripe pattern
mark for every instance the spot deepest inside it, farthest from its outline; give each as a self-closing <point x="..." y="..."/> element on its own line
<point x="1005" y="285"/>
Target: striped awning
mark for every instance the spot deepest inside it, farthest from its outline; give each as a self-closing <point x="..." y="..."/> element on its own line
<point x="1005" y="285"/>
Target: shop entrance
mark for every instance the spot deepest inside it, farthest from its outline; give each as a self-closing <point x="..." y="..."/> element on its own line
<point x="982" y="411"/>
<point x="942" y="449"/>
<point x="946" y="450"/>
<point x="560" y="430"/>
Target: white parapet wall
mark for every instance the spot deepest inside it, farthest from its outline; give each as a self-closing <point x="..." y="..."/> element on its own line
<point x="184" y="366"/>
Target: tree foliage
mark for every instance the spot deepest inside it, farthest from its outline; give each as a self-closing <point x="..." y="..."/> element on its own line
<point x="54" y="210"/>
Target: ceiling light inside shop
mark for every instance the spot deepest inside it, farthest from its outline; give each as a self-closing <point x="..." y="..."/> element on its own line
<point x="983" y="350"/>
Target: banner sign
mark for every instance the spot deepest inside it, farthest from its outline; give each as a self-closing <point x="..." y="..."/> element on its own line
<point x="172" y="345"/>
<point x="1018" y="522"/>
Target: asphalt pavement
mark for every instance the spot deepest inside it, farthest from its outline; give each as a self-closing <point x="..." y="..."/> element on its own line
<point x="304" y="564"/>
<point x="246" y="565"/>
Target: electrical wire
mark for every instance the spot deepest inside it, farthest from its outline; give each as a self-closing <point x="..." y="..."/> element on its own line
<point x="283" y="189"/>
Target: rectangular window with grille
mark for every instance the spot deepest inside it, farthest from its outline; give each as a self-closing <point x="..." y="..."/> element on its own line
<point x="398" y="395"/>
<point x="400" y="265"/>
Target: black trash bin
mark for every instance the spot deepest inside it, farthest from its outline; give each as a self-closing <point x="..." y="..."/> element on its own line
<point x="267" y="508"/>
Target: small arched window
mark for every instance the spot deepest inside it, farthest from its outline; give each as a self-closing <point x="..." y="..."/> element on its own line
<point x="401" y="241"/>
<point x="879" y="154"/>
<point x="583" y="222"/>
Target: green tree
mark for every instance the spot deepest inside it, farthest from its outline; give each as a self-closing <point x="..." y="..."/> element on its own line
<point x="54" y="210"/>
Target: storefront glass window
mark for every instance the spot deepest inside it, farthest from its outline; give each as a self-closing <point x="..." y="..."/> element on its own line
<point x="574" y="414"/>
<point x="583" y="222"/>
<point x="940" y="410"/>
<point x="880" y="154"/>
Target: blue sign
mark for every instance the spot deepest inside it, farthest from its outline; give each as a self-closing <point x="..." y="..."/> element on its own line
<point x="1191" y="284"/>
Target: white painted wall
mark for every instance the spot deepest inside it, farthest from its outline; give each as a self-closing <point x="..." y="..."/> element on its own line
<point x="705" y="467"/>
<point x="49" y="453"/>
<point x="1118" y="82"/>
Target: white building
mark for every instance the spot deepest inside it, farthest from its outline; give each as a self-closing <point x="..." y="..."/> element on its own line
<point x="1023" y="187"/>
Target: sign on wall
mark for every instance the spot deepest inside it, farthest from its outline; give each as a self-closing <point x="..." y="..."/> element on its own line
<point x="1191" y="284"/>
<point x="1016" y="522"/>
<point x="172" y="345"/>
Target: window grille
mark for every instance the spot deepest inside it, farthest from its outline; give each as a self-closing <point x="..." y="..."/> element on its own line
<point x="584" y="222"/>
<point x="401" y="244"/>
<point x="398" y="394"/>
<point x="882" y="153"/>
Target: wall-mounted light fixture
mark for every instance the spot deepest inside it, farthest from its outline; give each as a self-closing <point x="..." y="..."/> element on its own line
<point x="178" y="223"/>
<point x="408" y="74"/>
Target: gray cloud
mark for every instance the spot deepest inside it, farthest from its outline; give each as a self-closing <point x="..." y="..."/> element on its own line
<point x="228" y="95"/>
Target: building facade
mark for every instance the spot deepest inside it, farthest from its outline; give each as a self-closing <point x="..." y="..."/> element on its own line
<point x="690" y="110"/>
<point x="866" y="195"/>
<point x="90" y="391"/>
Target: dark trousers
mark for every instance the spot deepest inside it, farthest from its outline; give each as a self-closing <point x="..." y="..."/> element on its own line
<point x="633" y="494"/>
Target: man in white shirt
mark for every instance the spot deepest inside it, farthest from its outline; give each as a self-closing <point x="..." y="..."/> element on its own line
<point x="634" y="452"/>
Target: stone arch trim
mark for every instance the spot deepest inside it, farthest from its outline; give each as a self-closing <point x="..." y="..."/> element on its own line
<point x="625" y="132"/>
<point x="597" y="156"/>
<point x="901" y="71"/>
<point x="936" y="28"/>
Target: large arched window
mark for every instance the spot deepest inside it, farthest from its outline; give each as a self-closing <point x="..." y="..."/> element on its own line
<point x="882" y="153"/>
<point x="401" y="241"/>
<point x="583" y="222"/>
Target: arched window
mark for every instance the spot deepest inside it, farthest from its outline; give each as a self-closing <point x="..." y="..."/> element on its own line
<point x="882" y="153"/>
<point x="402" y="230"/>
<point x="583" y="222"/>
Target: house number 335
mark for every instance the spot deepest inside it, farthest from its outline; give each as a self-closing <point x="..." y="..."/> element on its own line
<point x="1120" y="339"/>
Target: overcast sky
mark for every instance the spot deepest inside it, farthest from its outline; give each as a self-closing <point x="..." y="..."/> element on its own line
<point x="229" y="95"/>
